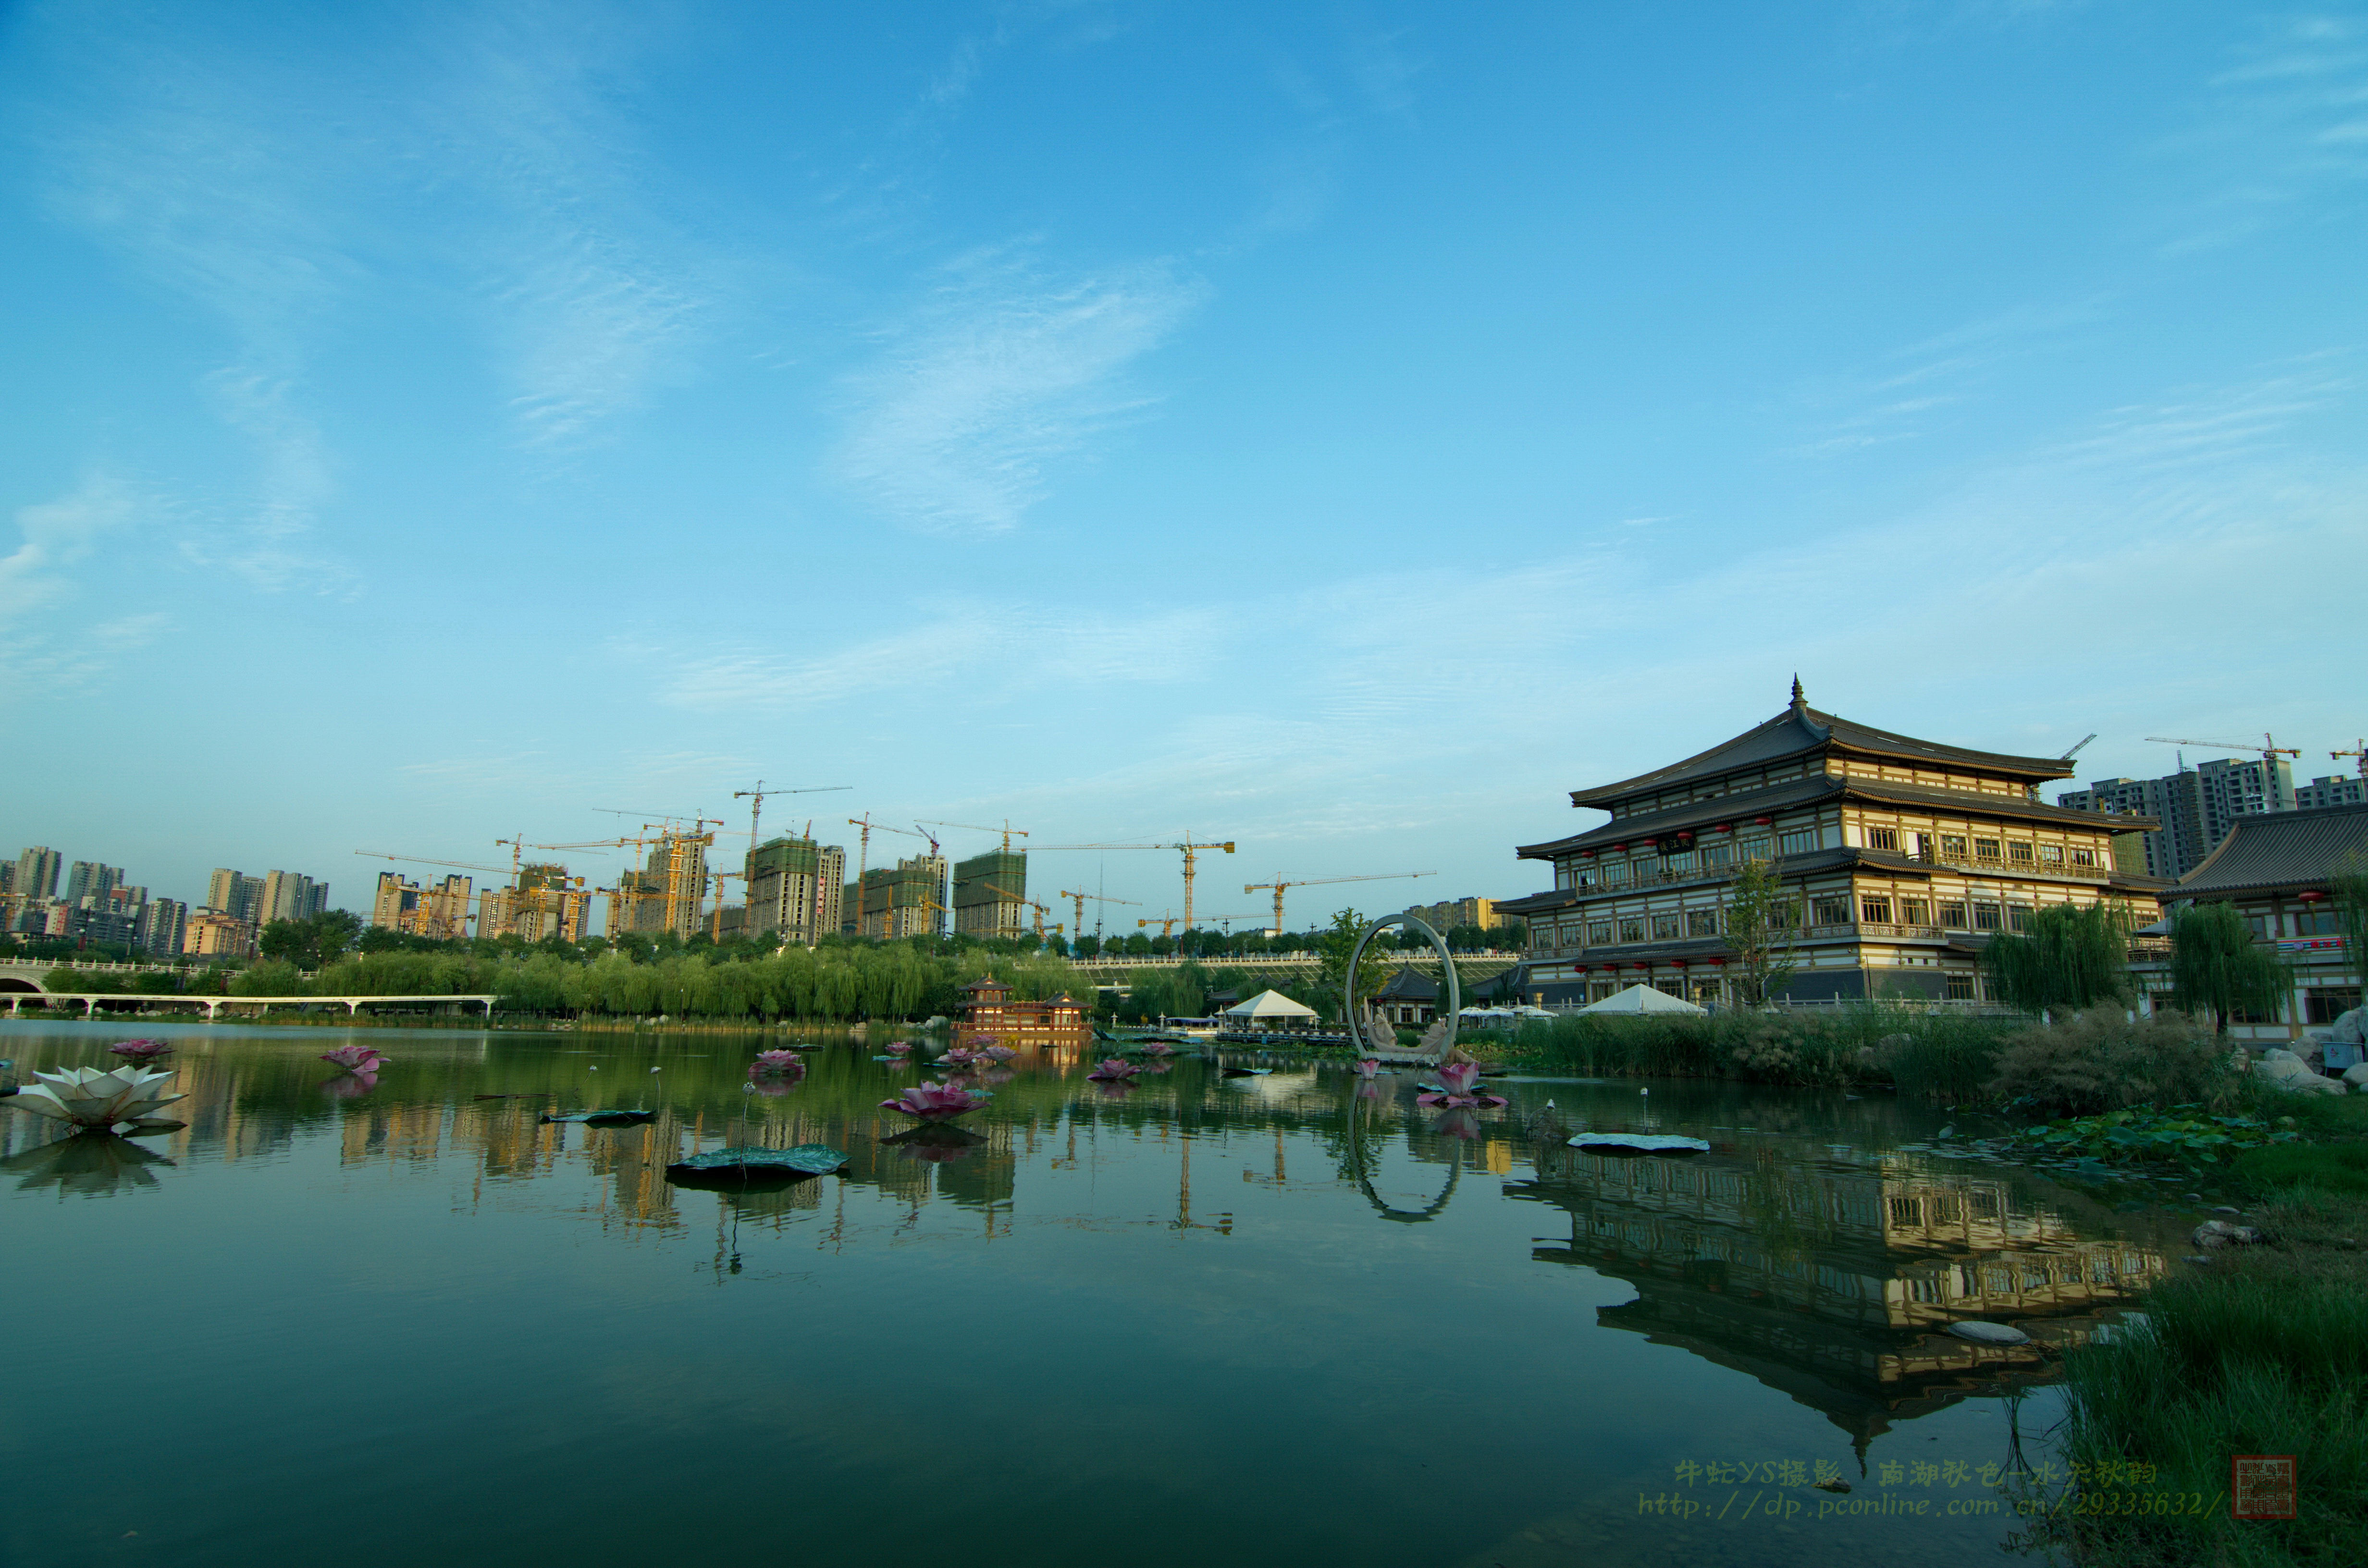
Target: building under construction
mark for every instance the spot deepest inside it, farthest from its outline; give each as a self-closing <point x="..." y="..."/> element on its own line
<point x="542" y="902"/>
<point x="668" y="892"/>
<point x="439" y="910"/>
<point x="991" y="894"/>
<point x="794" y="886"/>
<point x="909" y="901"/>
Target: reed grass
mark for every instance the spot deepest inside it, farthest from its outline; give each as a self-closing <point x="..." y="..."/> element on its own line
<point x="1945" y="1057"/>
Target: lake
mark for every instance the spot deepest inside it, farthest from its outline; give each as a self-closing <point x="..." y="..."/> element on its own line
<point x="1199" y="1321"/>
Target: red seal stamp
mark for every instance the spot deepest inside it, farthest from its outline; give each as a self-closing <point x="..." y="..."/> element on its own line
<point x="2261" y="1486"/>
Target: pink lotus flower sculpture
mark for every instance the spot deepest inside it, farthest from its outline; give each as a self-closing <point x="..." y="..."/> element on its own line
<point x="931" y="1101"/>
<point x="771" y="1087"/>
<point x="778" y="1064"/>
<point x="957" y="1059"/>
<point x="900" y="1048"/>
<point x="356" y="1057"/>
<point x="1368" y="1067"/>
<point x="94" y="1101"/>
<point x="141" y="1051"/>
<point x="1157" y="1047"/>
<point x="1456" y="1079"/>
<point x="1114" y="1070"/>
<point x="997" y="1053"/>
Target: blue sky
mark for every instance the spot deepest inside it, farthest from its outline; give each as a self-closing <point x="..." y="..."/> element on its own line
<point x="1338" y="428"/>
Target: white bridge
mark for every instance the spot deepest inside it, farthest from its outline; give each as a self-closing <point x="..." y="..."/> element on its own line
<point x="23" y="983"/>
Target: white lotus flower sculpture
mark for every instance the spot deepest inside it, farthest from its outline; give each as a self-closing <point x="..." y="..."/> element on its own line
<point x="95" y="1101"/>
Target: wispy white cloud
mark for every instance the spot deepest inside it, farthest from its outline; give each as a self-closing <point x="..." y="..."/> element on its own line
<point x="965" y="649"/>
<point x="1000" y="373"/>
<point x="2281" y="131"/>
<point x="54" y="535"/>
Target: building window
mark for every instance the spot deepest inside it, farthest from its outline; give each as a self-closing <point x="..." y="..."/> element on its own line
<point x="1797" y="841"/>
<point x="1632" y="927"/>
<point x="1755" y="847"/>
<point x="2084" y="856"/>
<point x="1987" y="848"/>
<point x="1614" y="873"/>
<point x="1599" y="932"/>
<point x="1882" y="838"/>
<point x="1915" y="912"/>
<point x="1678" y="865"/>
<point x="1701" y="922"/>
<point x="1831" y="909"/>
<point x="2318" y="922"/>
<point x="1597" y="990"/>
<point x="1665" y="928"/>
<point x="1671" y="986"/>
<point x="1566" y="877"/>
<point x="2018" y="917"/>
<point x="1959" y="987"/>
<point x="2018" y="852"/>
<point x="2051" y="854"/>
<point x="2329" y="1002"/>
<point x="1875" y="908"/>
<point x="1986" y="915"/>
<point x="1952" y="846"/>
<point x="1718" y="856"/>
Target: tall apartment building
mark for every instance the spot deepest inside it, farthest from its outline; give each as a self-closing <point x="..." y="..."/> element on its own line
<point x="235" y="894"/>
<point x="668" y="892"/>
<point x="544" y="902"/>
<point x="290" y="895"/>
<point x="216" y="933"/>
<point x="2320" y="793"/>
<point x="439" y="910"/>
<point x="795" y="888"/>
<point x="991" y="894"/>
<point x="1447" y="915"/>
<point x="162" y="926"/>
<point x="37" y="873"/>
<point x="2194" y="807"/>
<point x="87" y="880"/>
<point x="909" y="901"/>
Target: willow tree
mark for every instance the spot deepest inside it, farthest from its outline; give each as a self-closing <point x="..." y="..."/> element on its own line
<point x="2216" y="967"/>
<point x="2071" y="957"/>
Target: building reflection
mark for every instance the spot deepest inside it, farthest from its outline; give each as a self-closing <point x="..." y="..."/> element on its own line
<point x="1831" y="1281"/>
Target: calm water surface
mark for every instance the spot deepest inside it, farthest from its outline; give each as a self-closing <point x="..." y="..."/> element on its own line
<point x="1206" y="1321"/>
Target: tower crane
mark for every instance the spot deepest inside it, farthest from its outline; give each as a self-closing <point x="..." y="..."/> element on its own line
<point x="447" y="926"/>
<point x="1008" y="832"/>
<point x="1099" y="898"/>
<point x="1167" y="924"/>
<point x="715" y="926"/>
<point x="2358" y="749"/>
<point x="617" y="895"/>
<point x="2270" y="751"/>
<point x="756" y="798"/>
<point x="1278" y="886"/>
<point x="1193" y="850"/>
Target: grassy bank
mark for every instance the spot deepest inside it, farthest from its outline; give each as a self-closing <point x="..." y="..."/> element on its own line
<point x="1946" y="1056"/>
<point x="2263" y="1351"/>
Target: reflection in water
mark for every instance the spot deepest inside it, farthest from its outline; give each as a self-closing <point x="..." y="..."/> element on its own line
<point x="88" y="1165"/>
<point x="1830" y="1278"/>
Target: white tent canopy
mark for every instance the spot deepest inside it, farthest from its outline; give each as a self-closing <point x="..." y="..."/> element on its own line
<point x="1645" y="999"/>
<point x="1272" y="1006"/>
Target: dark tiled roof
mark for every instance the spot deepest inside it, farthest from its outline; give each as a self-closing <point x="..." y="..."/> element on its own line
<point x="1408" y="985"/>
<point x="2284" y="850"/>
<point x="1801" y="728"/>
<point x="1743" y="807"/>
<point x="1537" y="902"/>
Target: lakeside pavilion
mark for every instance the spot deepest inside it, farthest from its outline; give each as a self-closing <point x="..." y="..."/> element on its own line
<point x="1906" y="858"/>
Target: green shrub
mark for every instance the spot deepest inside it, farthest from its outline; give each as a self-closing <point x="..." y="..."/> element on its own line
<point x="2100" y="1061"/>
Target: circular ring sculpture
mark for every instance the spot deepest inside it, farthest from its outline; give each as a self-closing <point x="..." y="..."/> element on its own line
<point x="1447" y="966"/>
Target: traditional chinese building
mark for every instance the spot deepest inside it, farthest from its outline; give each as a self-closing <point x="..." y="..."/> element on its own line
<point x="1905" y="857"/>
<point x="989" y="1008"/>
<point x="2280" y="870"/>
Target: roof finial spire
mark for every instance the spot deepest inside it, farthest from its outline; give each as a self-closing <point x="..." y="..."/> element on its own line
<point x="1798" y="700"/>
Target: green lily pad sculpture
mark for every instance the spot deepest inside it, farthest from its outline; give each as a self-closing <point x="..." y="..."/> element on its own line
<point x="745" y="1166"/>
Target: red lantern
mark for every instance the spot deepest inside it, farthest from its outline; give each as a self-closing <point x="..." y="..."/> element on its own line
<point x="1763" y="821"/>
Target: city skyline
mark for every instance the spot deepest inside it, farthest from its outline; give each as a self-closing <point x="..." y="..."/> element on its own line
<point x="1343" y="435"/>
